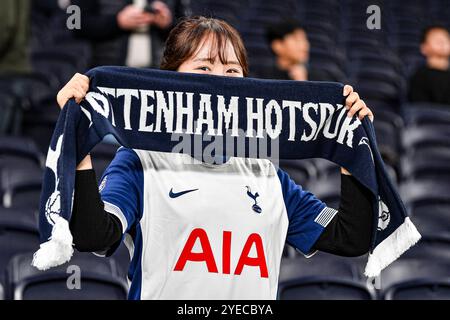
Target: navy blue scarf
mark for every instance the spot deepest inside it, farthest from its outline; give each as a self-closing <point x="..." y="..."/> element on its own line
<point x="156" y="110"/>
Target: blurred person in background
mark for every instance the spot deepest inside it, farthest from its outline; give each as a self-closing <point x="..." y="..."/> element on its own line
<point x="127" y="32"/>
<point x="289" y="42"/>
<point x="14" y="36"/>
<point x="431" y="82"/>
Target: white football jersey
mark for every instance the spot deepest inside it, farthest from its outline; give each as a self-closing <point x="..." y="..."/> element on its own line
<point x="202" y="231"/>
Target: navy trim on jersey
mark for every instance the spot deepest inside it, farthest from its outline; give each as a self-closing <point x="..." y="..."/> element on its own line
<point x="124" y="187"/>
<point x="135" y="269"/>
<point x="122" y="194"/>
<point x="302" y="209"/>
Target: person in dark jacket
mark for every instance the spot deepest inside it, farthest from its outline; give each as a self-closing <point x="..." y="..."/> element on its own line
<point x="431" y="82"/>
<point x="127" y="32"/>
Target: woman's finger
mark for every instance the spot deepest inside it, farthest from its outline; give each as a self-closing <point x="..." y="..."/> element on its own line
<point x="366" y="112"/>
<point x="80" y="89"/>
<point x="363" y="113"/>
<point x="347" y="90"/>
<point x="83" y="80"/>
<point x="351" y="99"/>
<point x="77" y="94"/>
<point x="356" y="107"/>
<point x="82" y="85"/>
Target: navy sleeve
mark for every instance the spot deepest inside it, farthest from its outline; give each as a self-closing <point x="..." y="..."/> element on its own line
<point x="308" y="216"/>
<point x="121" y="188"/>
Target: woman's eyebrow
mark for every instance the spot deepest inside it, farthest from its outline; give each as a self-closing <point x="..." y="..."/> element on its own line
<point x="233" y="62"/>
<point x="210" y="60"/>
<point x="203" y="60"/>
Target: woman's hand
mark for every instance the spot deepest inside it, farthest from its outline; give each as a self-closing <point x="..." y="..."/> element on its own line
<point x="354" y="104"/>
<point x="77" y="87"/>
<point x="162" y="16"/>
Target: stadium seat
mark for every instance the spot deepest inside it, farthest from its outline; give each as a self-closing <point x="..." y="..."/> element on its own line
<point x="321" y="28"/>
<point x="57" y="66"/>
<point x="15" y="149"/>
<point x="324" y="55"/>
<point x="363" y="44"/>
<point x="380" y="70"/>
<point x="420" y="192"/>
<point x="31" y="88"/>
<point x="122" y="259"/>
<point x="326" y="71"/>
<point x="432" y="219"/>
<point x="20" y="173"/>
<point x="416" y="279"/>
<point x="388" y="141"/>
<point x="327" y="189"/>
<point x="378" y="105"/>
<point x="418" y="114"/>
<point x="11" y="113"/>
<point x="327" y="186"/>
<point x="429" y="135"/>
<point x="385" y="114"/>
<point x="79" y="49"/>
<point x="39" y="123"/>
<point x="433" y="247"/>
<point x="320" y="40"/>
<point x="59" y="53"/>
<point x="31" y="214"/>
<point x="289" y="252"/>
<point x="99" y="279"/>
<point x="18" y="233"/>
<point x="102" y="155"/>
<point x="325" y="168"/>
<point x="428" y="202"/>
<point x="423" y="167"/>
<point x="310" y="279"/>
<point x="424" y="151"/>
<point x="301" y="171"/>
<point x="227" y="11"/>
<point x="377" y="90"/>
<point x="21" y="188"/>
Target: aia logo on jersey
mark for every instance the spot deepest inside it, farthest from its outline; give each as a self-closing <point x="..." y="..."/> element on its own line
<point x="207" y="256"/>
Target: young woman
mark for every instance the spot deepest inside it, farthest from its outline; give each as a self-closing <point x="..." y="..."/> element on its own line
<point x="209" y="231"/>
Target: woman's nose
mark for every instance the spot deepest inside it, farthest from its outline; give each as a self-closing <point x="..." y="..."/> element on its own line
<point x="218" y="71"/>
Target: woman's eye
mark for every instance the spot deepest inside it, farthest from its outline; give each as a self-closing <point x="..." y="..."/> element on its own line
<point x="204" y="68"/>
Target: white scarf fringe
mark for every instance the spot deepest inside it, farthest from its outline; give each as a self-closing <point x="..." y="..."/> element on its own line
<point x="58" y="249"/>
<point x="403" y="238"/>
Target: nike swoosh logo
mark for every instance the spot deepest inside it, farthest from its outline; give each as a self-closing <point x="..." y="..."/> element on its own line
<point x="177" y="194"/>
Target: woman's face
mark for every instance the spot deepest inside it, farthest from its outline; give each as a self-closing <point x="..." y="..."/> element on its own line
<point x="200" y="61"/>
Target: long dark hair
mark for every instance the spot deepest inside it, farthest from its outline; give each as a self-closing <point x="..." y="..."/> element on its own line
<point x="187" y="35"/>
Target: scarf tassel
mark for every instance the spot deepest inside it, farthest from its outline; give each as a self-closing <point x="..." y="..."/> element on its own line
<point x="403" y="238"/>
<point x="58" y="249"/>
